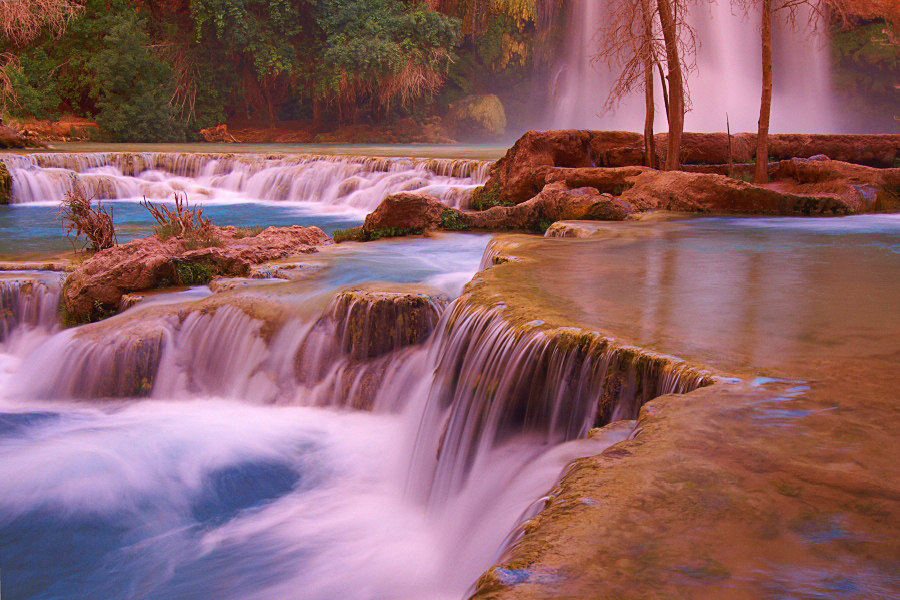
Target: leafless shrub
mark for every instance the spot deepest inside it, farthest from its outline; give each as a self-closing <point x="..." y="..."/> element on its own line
<point x="183" y="222"/>
<point x="82" y="221"/>
<point x="23" y="20"/>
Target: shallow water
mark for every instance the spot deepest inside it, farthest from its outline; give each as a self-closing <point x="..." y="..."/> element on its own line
<point x="37" y="229"/>
<point x="479" y="152"/>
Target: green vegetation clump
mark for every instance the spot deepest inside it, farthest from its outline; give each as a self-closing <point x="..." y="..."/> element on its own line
<point x="162" y="71"/>
<point x="451" y="219"/>
<point x="486" y="197"/>
<point x="5" y="185"/>
<point x="866" y="69"/>
<point x="195" y="273"/>
<point x="360" y="234"/>
<point x="248" y="232"/>
<point x="354" y="234"/>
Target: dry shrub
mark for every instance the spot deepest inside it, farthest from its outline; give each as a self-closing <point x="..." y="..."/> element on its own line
<point x="81" y="220"/>
<point x="184" y="222"/>
<point x="23" y="20"/>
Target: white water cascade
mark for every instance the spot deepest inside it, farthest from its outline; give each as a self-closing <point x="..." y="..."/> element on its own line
<point x="217" y="445"/>
<point x="349" y="182"/>
<point x="728" y="78"/>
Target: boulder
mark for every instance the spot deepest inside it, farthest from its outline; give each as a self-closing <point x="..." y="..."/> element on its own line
<point x="523" y="170"/>
<point x="702" y="192"/>
<point x="10" y="138"/>
<point x="373" y="321"/>
<point x="95" y="288"/>
<point x="407" y="212"/>
<point x="478" y="118"/>
<point x="556" y="202"/>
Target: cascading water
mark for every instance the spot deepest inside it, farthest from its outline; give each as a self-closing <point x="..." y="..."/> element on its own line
<point x="258" y="476"/>
<point x="728" y="78"/>
<point x="345" y="182"/>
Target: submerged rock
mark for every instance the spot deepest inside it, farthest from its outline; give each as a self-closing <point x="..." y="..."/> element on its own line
<point x="96" y="288"/>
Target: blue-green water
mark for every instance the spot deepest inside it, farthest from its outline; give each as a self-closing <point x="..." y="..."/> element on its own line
<point x="26" y="229"/>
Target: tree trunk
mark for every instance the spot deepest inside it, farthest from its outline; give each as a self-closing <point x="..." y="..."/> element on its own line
<point x="676" y="85"/>
<point x="649" y="140"/>
<point x="665" y="92"/>
<point x="761" y="174"/>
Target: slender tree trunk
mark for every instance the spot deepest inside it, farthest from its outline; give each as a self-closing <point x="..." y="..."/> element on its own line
<point x="676" y="85"/>
<point x="649" y="140"/>
<point x="761" y="175"/>
<point x="665" y="90"/>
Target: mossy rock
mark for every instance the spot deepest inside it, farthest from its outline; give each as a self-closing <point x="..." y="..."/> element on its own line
<point x="478" y="118"/>
<point x="5" y="185"/>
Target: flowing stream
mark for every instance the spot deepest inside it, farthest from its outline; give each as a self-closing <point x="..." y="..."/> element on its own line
<point x="275" y="441"/>
<point x="239" y="478"/>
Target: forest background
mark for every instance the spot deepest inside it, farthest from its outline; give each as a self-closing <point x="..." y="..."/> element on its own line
<point x="163" y="70"/>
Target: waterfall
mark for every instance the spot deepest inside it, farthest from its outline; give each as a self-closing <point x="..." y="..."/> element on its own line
<point x="28" y="301"/>
<point x="356" y="182"/>
<point x="462" y="419"/>
<point x="728" y="78"/>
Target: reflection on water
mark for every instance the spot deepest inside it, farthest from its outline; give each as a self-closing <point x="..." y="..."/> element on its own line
<point x="754" y="293"/>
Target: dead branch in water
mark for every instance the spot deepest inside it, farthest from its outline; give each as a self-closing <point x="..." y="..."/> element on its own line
<point x="80" y="219"/>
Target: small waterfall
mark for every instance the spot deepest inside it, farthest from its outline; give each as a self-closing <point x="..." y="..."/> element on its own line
<point x="728" y="77"/>
<point x="356" y="182"/>
<point x="496" y="382"/>
<point x="484" y="412"/>
<point x="28" y="301"/>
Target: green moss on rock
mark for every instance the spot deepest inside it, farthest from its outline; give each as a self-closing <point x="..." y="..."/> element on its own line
<point x="5" y="185"/>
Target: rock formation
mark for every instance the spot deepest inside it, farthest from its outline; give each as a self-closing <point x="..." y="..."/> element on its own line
<point x="96" y="288"/>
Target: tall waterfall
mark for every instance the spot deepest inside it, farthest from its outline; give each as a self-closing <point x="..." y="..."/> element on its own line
<point x="359" y="182"/>
<point x="728" y="79"/>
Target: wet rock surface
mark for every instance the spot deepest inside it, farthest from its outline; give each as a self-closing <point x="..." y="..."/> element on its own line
<point x="409" y="212"/>
<point x="748" y="488"/>
<point x="96" y="287"/>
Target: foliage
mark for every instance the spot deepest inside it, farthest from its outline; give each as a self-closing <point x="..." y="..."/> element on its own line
<point x="354" y="234"/>
<point x="26" y="88"/>
<point x="867" y="70"/>
<point x="360" y="234"/>
<point x="484" y="197"/>
<point x="83" y="221"/>
<point x="248" y="232"/>
<point x="135" y="87"/>
<point x="451" y="219"/>
<point x="195" y="273"/>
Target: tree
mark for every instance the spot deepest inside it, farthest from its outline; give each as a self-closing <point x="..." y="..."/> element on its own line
<point x="633" y="40"/>
<point x="790" y="11"/>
